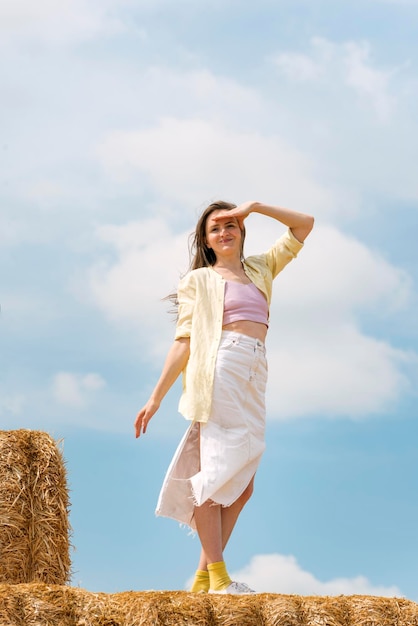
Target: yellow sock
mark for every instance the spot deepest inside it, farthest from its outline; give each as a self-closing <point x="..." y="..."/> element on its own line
<point x="201" y="581"/>
<point x="218" y="576"/>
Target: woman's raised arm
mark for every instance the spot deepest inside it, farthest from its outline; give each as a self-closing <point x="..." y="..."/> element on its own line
<point x="299" y="223"/>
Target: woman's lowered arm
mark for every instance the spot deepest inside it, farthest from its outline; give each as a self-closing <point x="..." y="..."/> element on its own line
<point x="175" y="363"/>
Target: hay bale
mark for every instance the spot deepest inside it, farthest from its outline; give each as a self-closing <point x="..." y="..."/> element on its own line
<point x="38" y="604"/>
<point x="339" y="611"/>
<point x="232" y="610"/>
<point x="171" y="608"/>
<point x="326" y="611"/>
<point x="34" y="507"/>
<point x="374" y="611"/>
<point x="408" y="613"/>
<point x="35" y="604"/>
<point x="278" y="610"/>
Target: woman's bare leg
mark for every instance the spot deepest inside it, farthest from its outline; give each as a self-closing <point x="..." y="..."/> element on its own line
<point x="208" y="518"/>
<point x="227" y="518"/>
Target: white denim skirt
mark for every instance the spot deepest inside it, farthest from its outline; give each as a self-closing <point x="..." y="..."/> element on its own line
<point x="216" y="461"/>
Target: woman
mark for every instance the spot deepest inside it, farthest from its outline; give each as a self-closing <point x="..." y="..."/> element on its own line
<point x="223" y="317"/>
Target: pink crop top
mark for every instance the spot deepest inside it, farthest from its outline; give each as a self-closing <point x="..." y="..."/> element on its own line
<point x="244" y="302"/>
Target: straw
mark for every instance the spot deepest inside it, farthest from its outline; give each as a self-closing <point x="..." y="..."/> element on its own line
<point x="38" y="604"/>
<point x="34" y="507"/>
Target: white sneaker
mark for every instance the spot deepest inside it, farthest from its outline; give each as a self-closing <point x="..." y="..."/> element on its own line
<point x="238" y="589"/>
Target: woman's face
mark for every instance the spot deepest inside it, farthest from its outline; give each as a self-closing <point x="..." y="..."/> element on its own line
<point x="223" y="235"/>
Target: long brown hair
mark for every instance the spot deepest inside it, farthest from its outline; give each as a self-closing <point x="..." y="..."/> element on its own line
<point x="200" y="255"/>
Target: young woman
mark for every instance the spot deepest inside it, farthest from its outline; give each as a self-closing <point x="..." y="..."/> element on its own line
<point x="223" y="317"/>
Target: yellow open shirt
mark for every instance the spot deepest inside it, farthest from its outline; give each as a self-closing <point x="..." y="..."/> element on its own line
<point x="201" y="304"/>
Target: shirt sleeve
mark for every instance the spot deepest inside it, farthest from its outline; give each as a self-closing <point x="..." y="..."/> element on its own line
<point x="282" y="252"/>
<point x="186" y="302"/>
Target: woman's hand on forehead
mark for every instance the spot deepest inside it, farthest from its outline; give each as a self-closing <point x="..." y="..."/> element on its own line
<point x="223" y="216"/>
<point x="239" y="213"/>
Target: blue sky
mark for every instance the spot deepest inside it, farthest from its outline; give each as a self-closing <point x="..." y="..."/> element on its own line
<point x="120" y="120"/>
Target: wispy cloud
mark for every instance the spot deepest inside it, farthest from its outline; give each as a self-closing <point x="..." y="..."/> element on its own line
<point x="74" y="389"/>
<point x="59" y="23"/>
<point x="191" y="159"/>
<point x="349" y="64"/>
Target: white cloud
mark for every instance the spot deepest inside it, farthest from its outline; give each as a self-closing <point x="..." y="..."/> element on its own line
<point x="299" y="67"/>
<point x="348" y="64"/>
<point x="320" y="359"/>
<point x="96" y="95"/>
<point x="147" y="267"/>
<point x="92" y="382"/>
<point x="276" y="573"/>
<point x="187" y="160"/>
<point x="45" y="192"/>
<point x="337" y="372"/>
<point x="74" y="389"/>
<point x="342" y="274"/>
<point x="214" y="96"/>
<point x="370" y="83"/>
<point x="58" y="22"/>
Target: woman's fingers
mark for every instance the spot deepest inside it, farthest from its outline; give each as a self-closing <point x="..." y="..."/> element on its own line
<point x="140" y="424"/>
<point x="143" y="418"/>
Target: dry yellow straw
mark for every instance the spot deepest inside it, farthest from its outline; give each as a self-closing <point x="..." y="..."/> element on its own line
<point x="54" y="605"/>
<point x="34" y="507"/>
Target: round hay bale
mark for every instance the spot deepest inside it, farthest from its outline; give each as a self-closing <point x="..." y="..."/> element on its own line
<point x="34" y="507"/>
